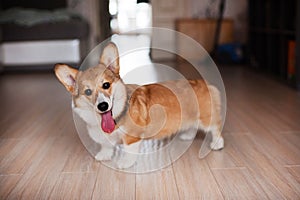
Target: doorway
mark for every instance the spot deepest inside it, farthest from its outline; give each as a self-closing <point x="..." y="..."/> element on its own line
<point x="130" y="16"/>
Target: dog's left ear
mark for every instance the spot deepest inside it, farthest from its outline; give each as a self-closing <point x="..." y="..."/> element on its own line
<point x="110" y="58"/>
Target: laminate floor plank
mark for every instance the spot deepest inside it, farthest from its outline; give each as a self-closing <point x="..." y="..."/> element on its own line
<point x="272" y="177"/>
<point x="41" y="177"/>
<point x="295" y="172"/>
<point x="113" y="184"/>
<point x="74" y="186"/>
<point x="236" y="182"/>
<point x="157" y="185"/>
<point x="229" y="157"/>
<point x="234" y="124"/>
<point x="6" y="146"/>
<point x="80" y="160"/>
<point x="193" y="176"/>
<point x="284" y="148"/>
<point x="7" y="184"/>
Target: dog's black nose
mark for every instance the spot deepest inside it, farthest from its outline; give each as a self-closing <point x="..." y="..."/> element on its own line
<point x="102" y="106"/>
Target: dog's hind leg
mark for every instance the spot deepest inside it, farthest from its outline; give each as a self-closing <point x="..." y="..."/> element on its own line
<point x="188" y="134"/>
<point x="217" y="142"/>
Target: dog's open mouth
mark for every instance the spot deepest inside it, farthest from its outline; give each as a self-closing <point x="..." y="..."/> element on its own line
<point x="107" y="122"/>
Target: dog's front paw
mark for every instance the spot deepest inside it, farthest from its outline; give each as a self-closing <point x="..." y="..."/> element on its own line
<point x="129" y="156"/>
<point x="217" y="143"/>
<point x="104" y="154"/>
<point x="126" y="161"/>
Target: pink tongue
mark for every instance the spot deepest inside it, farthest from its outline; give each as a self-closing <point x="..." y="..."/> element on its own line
<point x="107" y="123"/>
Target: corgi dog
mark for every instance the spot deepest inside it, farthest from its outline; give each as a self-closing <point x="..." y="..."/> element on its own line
<point x="129" y="113"/>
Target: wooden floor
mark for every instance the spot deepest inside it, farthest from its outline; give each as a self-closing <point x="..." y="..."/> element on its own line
<point x="41" y="156"/>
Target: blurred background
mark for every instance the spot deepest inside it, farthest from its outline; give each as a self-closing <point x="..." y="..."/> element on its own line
<point x="261" y="34"/>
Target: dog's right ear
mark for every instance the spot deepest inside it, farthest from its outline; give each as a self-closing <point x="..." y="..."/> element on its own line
<point x="67" y="76"/>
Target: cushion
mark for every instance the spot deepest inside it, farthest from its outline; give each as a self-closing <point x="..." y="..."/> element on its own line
<point x="71" y="29"/>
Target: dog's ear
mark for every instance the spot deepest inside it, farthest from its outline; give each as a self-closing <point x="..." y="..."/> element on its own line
<point x="110" y="58"/>
<point x="67" y="76"/>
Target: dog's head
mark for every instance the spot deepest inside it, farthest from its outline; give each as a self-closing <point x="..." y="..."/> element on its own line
<point x="99" y="88"/>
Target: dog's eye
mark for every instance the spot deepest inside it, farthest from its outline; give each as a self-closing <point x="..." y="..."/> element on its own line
<point x="106" y="85"/>
<point x="88" y="92"/>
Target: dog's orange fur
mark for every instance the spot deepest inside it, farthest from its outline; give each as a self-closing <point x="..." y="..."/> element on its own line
<point x="138" y="120"/>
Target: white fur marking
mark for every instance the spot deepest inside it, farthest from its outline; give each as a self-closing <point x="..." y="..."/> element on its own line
<point x="129" y="158"/>
<point x="188" y="135"/>
<point x="217" y="143"/>
<point x="105" y="153"/>
<point x="119" y="97"/>
<point x="102" y="98"/>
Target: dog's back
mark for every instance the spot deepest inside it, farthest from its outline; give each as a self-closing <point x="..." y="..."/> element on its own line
<point x="160" y="110"/>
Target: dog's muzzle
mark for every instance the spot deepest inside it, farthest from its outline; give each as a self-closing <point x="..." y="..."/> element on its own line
<point x="103" y="106"/>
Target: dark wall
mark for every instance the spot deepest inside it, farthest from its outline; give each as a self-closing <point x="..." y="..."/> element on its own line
<point x="38" y="4"/>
